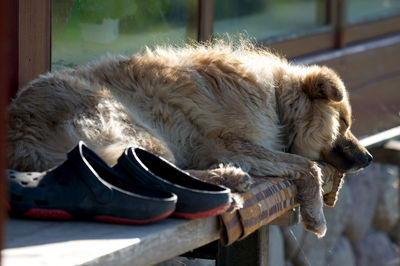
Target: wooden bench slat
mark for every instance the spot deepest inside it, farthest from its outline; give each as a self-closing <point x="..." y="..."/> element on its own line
<point x="85" y="243"/>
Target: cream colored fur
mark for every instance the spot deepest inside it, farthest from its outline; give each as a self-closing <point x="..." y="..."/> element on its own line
<point x="223" y="113"/>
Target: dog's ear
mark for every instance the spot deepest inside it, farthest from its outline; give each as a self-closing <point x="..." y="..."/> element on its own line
<point x="323" y="83"/>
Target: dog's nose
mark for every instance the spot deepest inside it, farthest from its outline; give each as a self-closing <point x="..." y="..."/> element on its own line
<point x="368" y="159"/>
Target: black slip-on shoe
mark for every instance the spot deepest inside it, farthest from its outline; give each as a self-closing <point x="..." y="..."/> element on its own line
<point x="196" y="198"/>
<point x="83" y="187"/>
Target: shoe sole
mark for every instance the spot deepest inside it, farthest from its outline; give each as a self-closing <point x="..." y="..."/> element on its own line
<point x="61" y="215"/>
<point x="212" y="212"/>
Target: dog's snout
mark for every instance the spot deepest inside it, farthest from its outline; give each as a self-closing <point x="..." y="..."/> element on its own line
<point x="368" y="158"/>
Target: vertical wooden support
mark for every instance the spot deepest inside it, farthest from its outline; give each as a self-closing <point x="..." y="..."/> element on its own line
<point x="9" y="53"/>
<point x="8" y="83"/>
<point x="206" y="20"/>
<point x="34" y="39"/>
<point x="337" y="16"/>
<point x="253" y="250"/>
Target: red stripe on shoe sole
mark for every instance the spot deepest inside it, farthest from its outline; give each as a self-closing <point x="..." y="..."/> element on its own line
<point x="212" y="212"/>
<point x="118" y="220"/>
<point x="51" y="214"/>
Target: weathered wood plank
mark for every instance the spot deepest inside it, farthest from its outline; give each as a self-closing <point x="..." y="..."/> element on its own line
<point x="86" y="243"/>
<point x="34" y="39"/>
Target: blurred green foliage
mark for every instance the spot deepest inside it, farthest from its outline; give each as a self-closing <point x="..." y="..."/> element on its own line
<point x="133" y="15"/>
<point x="238" y="8"/>
<point x="154" y="14"/>
<point x="94" y="11"/>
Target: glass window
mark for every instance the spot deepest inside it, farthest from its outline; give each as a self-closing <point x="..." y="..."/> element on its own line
<point x="361" y="10"/>
<point x="262" y="19"/>
<point x="83" y="30"/>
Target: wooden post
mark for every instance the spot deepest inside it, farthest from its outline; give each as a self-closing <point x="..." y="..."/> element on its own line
<point x="8" y="84"/>
<point x="34" y="39"/>
<point x="337" y="17"/>
<point x="253" y="250"/>
<point x="206" y="20"/>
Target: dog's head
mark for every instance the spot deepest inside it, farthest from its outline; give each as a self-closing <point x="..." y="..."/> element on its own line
<point x="325" y="132"/>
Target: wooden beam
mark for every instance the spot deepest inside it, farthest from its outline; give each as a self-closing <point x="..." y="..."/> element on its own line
<point x="34" y="39"/>
<point x="9" y="54"/>
<point x="340" y="35"/>
<point x="372" y="29"/>
<point x="206" y="20"/>
<point x="295" y="45"/>
<point x="8" y="85"/>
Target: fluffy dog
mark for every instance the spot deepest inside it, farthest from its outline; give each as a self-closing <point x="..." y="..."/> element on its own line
<point x="223" y="113"/>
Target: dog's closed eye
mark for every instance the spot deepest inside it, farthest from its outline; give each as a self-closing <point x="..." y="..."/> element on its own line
<point x="345" y="122"/>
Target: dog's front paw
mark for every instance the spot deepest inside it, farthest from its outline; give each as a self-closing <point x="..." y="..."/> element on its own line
<point x="238" y="183"/>
<point x="314" y="221"/>
<point x="227" y="175"/>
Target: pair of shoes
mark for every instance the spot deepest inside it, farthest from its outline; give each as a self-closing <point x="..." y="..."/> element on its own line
<point x="196" y="198"/>
<point x="85" y="187"/>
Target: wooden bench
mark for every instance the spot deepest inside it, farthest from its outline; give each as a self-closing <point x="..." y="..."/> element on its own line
<point x="88" y="243"/>
<point x="85" y="243"/>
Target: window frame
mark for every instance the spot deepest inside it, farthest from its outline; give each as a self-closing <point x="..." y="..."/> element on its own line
<point x="35" y="34"/>
<point x="370" y="29"/>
